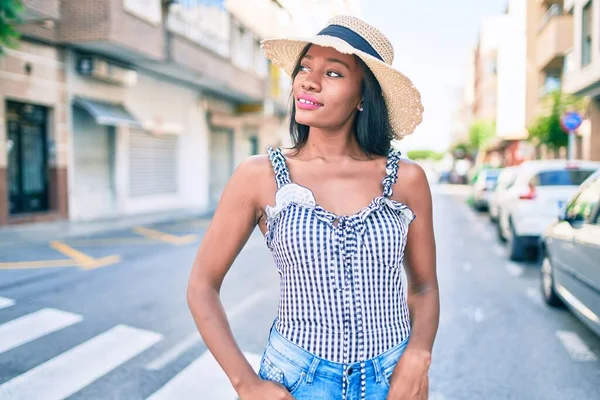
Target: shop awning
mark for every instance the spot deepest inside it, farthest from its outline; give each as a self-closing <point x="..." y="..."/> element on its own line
<point x="106" y="113"/>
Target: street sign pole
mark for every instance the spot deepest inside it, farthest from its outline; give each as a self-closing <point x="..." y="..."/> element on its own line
<point x="570" y="121"/>
<point x="571" y="148"/>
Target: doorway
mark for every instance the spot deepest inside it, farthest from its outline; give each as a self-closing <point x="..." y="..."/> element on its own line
<point x="27" y="145"/>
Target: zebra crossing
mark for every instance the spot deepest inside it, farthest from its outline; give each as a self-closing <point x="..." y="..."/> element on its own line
<point x="77" y="368"/>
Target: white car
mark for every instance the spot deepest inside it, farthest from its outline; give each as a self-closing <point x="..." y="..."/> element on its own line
<point x="483" y="187"/>
<point x="535" y="199"/>
<point x="505" y="181"/>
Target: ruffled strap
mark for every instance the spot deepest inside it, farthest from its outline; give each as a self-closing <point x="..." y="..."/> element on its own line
<point x="282" y="174"/>
<point x="391" y="169"/>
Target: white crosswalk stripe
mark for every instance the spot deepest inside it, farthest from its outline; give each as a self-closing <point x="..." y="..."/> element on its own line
<point x="205" y="376"/>
<point x="33" y="326"/>
<point x="75" y="369"/>
<point x="5" y="303"/>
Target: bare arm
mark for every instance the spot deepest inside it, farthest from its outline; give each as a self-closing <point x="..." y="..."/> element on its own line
<point x="410" y="378"/>
<point x="420" y="262"/>
<point x="233" y="222"/>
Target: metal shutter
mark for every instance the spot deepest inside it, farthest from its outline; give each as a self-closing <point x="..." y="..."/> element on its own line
<point x="152" y="164"/>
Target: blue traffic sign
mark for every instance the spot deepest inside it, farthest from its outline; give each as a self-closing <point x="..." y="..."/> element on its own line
<point x="571" y="120"/>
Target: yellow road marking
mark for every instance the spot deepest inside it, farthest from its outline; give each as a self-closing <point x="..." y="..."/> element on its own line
<point x="81" y="259"/>
<point x="127" y="241"/>
<point x="38" y="264"/>
<point x="164" y="237"/>
<point x="200" y="223"/>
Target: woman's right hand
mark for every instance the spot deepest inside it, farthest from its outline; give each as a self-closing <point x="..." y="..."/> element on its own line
<point x="264" y="390"/>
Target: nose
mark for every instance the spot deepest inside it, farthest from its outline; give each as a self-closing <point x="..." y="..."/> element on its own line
<point x="311" y="82"/>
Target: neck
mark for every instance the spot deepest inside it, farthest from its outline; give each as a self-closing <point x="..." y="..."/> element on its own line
<point x="330" y="144"/>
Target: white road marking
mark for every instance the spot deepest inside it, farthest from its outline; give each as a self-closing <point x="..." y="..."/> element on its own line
<point x="175" y="352"/>
<point x="33" y="326"/>
<point x="194" y="339"/>
<point x="75" y="369"/>
<point x="203" y="376"/>
<point x="474" y="314"/>
<point x="5" y="303"/>
<point x="533" y="293"/>
<point x="575" y="346"/>
<point x="514" y="269"/>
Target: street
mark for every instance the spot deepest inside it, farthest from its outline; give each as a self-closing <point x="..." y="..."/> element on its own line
<point x="105" y="317"/>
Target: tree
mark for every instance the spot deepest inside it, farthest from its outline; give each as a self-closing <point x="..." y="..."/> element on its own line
<point x="425" y="155"/>
<point x="546" y="128"/>
<point x="480" y="133"/>
<point x="10" y="11"/>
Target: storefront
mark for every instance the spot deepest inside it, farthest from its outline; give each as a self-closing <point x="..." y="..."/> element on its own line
<point x="138" y="147"/>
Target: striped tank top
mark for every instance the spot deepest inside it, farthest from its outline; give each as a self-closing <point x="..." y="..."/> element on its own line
<point x="342" y="296"/>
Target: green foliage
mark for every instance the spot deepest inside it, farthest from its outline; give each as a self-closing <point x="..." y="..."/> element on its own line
<point x="10" y="11"/>
<point x="546" y="129"/>
<point x="480" y="133"/>
<point x="425" y="155"/>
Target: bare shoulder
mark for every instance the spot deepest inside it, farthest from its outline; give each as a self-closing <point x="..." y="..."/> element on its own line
<point x="254" y="171"/>
<point x="254" y="178"/>
<point x="412" y="186"/>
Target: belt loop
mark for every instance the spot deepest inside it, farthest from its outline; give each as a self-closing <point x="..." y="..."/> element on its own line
<point x="311" y="371"/>
<point x="377" y="369"/>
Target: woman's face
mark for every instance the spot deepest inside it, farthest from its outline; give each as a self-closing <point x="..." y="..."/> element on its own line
<point x="327" y="88"/>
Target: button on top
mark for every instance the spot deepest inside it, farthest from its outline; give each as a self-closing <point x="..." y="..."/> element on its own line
<point x="349" y="370"/>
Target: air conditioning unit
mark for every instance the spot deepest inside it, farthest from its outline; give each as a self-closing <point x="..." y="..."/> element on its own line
<point x="102" y="69"/>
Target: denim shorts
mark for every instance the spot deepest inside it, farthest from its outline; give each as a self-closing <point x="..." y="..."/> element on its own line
<point x="308" y="377"/>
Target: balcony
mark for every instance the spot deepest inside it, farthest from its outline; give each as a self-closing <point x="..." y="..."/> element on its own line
<point x="36" y="10"/>
<point x="555" y="38"/>
<point x="112" y="29"/>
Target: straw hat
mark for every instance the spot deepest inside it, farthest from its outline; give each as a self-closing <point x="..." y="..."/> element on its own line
<point x="351" y="35"/>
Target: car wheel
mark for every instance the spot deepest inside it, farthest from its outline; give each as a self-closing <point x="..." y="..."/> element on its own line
<point x="499" y="229"/>
<point x="547" y="283"/>
<point x="515" y="245"/>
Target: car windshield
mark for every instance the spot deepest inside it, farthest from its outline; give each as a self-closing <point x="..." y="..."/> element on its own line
<point x="565" y="177"/>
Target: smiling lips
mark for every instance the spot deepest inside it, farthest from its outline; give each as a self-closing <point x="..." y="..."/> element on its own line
<point x="307" y="103"/>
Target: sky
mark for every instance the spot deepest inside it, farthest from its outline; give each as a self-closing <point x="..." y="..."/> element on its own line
<point x="431" y="40"/>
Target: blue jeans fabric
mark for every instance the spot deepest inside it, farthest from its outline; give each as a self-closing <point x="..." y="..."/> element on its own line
<point x="308" y="377"/>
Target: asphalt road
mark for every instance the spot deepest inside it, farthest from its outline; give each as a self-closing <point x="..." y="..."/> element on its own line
<point x="105" y="317"/>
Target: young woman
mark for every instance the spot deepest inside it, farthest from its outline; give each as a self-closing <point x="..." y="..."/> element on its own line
<point x="335" y="211"/>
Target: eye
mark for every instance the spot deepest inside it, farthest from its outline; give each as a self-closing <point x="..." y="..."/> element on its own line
<point x="334" y="74"/>
<point x="303" y="68"/>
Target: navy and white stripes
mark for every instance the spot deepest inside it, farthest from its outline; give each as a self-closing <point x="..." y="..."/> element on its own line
<point x="342" y="296"/>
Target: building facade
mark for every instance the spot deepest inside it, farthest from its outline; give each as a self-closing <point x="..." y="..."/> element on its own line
<point x="120" y="107"/>
<point x="582" y="70"/>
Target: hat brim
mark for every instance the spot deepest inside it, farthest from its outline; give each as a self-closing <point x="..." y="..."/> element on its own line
<point x="403" y="100"/>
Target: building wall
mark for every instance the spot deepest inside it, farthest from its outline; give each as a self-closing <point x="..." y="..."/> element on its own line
<point x="43" y="85"/>
<point x="512" y="75"/>
<point x="578" y="78"/>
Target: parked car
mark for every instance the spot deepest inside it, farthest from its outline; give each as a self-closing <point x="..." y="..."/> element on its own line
<point x="532" y="203"/>
<point x="504" y="182"/>
<point x="570" y="254"/>
<point x="483" y="187"/>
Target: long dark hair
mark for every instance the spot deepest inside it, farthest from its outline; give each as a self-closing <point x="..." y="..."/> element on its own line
<point x="371" y="126"/>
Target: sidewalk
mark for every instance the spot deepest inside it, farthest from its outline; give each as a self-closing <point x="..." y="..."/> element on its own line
<point x="59" y="230"/>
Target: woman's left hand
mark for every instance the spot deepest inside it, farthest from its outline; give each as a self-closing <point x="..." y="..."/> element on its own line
<point x="410" y="379"/>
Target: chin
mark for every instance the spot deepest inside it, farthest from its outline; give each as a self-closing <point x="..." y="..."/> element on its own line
<point x="306" y="120"/>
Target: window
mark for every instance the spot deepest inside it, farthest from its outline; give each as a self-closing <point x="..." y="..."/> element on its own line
<point x="586" y="34"/>
<point x="563" y="177"/>
<point x="581" y="208"/>
<point x="253" y="145"/>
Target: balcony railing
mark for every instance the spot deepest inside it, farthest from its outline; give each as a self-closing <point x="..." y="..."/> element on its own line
<point x="554" y="10"/>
